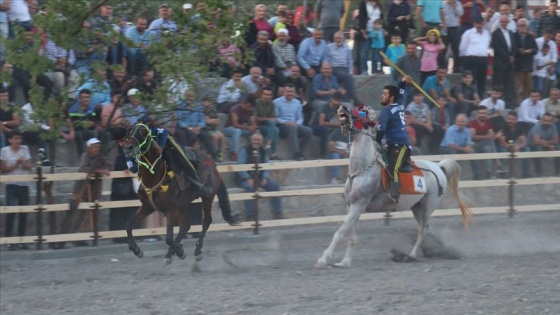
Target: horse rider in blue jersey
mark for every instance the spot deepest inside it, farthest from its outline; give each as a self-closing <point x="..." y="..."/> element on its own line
<point x="172" y="154"/>
<point x="392" y="126"/>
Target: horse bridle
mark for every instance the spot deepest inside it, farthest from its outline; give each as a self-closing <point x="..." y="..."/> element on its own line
<point x="138" y="152"/>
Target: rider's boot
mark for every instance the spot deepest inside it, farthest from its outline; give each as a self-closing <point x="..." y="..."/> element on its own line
<point x="394" y="191"/>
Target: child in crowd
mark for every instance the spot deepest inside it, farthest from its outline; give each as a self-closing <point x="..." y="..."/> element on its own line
<point x="544" y="68"/>
<point x="395" y="50"/>
<point x="281" y="24"/>
<point x="377" y="40"/>
<point x="431" y="47"/>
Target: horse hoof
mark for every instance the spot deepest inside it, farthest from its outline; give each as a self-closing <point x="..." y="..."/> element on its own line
<point x="140" y="253"/>
<point x="199" y="257"/>
<point x="167" y="261"/>
<point x="321" y="263"/>
<point x="182" y="256"/>
<point x="400" y="257"/>
<point x="343" y="264"/>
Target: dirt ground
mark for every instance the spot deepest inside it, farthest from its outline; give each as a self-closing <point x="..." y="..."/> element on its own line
<point x="506" y="267"/>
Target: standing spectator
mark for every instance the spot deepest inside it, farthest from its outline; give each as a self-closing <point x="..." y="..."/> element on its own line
<point x="290" y="122"/>
<point x="377" y="43"/>
<point x="410" y="64"/>
<point x="260" y="21"/>
<point x="246" y="178"/>
<point x="264" y="57"/>
<point x="230" y="92"/>
<point x="466" y="95"/>
<point x="311" y="53"/>
<point x="4" y="27"/>
<point x="534" y="23"/>
<point x="241" y="122"/>
<point x="453" y="10"/>
<point x="432" y="45"/>
<point x="369" y="13"/>
<point x="141" y="40"/>
<point x="547" y="39"/>
<point x="162" y="25"/>
<point x="526" y="48"/>
<point x="284" y="56"/>
<point x="323" y="123"/>
<point x="544" y="66"/>
<point x="212" y="124"/>
<point x="544" y="137"/>
<point x="494" y="23"/>
<point x="9" y="118"/>
<point x="549" y="20"/>
<point x="339" y="55"/>
<point x="329" y="13"/>
<point x="280" y="7"/>
<point x="504" y="47"/>
<point x="265" y="114"/>
<point x="400" y="19"/>
<point x="280" y="24"/>
<point x="254" y="82"/>
<point x="19" y="16"/>
<point x="483" y="136"/>
<point x="429" y="14"/>
<point x="395" y="50"/>
<point x="470" y="10"/>
<point x="513" y="132"/>
<point x="15" y="159"/>
<point x="474" y="50"/>
<point x="294" y="34"/>
<point x="494" y="104"/>
<point x="531" y="110"/>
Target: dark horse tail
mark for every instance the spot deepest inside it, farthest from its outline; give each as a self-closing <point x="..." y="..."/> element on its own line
<point x="225" y="206"/>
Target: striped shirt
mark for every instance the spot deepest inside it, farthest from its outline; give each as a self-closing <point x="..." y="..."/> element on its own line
<point x="284" y="55"/>
<point x="54" y="52"/>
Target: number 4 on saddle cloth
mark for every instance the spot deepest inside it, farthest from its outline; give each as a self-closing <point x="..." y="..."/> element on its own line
<point x="411" y="180"/>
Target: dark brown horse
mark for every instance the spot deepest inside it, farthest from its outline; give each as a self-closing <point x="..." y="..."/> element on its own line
<point x="160" y="191"/>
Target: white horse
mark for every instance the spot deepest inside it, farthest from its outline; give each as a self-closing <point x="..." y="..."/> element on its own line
<point x="364" y="190"/>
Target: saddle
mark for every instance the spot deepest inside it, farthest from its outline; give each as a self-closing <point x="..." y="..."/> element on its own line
<point x="411" y="178"/>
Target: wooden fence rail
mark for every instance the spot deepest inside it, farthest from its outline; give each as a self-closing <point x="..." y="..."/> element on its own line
<point x="284" y="193"/>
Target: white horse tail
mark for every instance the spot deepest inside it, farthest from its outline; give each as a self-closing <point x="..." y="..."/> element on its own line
<point x="452" y="171"/>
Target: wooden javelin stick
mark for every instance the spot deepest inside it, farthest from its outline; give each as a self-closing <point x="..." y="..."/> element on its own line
<point x="390" y="63"/>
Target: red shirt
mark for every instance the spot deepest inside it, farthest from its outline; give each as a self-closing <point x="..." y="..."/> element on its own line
<point x="480" y="129"/>
<point x="466" y="18"/>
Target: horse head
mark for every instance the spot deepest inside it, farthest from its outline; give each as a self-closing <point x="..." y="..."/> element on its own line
<point x="139" y="141"/>
<point x="356" y="120"/>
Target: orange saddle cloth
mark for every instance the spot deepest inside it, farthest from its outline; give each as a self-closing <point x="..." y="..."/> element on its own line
<point x="411" y="182"/>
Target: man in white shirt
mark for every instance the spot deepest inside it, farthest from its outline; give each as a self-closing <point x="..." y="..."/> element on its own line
<point x="547" y="38"/>
<point x="493" y="103"/>
<point x="504" y="9"/>
<point x="19" y="16"/>
<point x="474" y="52"/>
<point x="531" y="110"/>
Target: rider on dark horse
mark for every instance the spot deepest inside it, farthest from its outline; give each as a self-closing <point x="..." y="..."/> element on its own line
<point x="391" y="126"/>
<point x="174" y="157"/>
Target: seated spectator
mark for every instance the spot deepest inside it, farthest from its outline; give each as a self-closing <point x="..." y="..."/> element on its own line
<point x="338" y="149"/>
<point x="112" y="115"/>
<point x="230" y="92"/>
<point x="421" y="120"/>
<point x="457" y="140"/>
<point x="15" y="159"/>
<point x="466" y="95"/>
<point x="32" y="130"/>
<point x="325" y="121"/>
<point x="300" y="83"/>
<point x="133" y="111"/>
<point x="241" y="122"/>
<point x="264" y="57"/>
<point x="441" y="119"/>
<point x="99" y="88"/>
<point x="212" y="124"/>
<point x="93" y="164"/>
<point x="147" y="84"/>
<point x="339" y="55"/>
<point x="494" y="104"/>
<point x="63" y="77"/>
<point x="544" y="137"/>
<point x="191" y="122"/>
<point x="311" y="53"/>
<point x="119" y="82"/>
<point x="84" y="120"/>
<point x="552" y="106"/>
<point x="439" y="84"/>
<point x="395" y="50"/>
<point x="246" y="178"/>
<point x="9" y="118"/>
<point x="324" y="86"/>
<point x="254" y="82"/>
<point x="513" y="132"/>
<point x="117" y="55"/>
<point x="141" y="40"/>
<point x="265" y="114"/>
<point x="411" y="133"/>
<point x="483" y="136"/>
<point x="290" y="122"/>
<point x="229" y="55"/>
<point x="284" y="56"/>
<point x="531" y="110"/>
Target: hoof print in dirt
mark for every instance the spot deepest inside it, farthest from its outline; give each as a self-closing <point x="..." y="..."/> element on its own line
<point x="400" y="257"/>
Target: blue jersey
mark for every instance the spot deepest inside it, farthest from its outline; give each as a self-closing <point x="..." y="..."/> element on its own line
<point x="160" y="136"/>
<point x="391" y="122"/>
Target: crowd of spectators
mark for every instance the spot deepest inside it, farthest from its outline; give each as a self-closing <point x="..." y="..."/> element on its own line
<point x="298" y="76"/>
